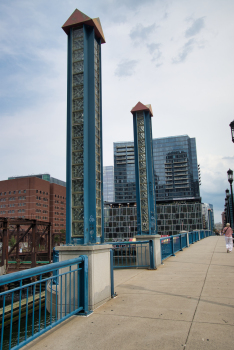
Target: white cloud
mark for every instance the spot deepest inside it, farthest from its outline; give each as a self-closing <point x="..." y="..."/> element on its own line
<point x="196" y="27"/>
<point x="193" y="98"/>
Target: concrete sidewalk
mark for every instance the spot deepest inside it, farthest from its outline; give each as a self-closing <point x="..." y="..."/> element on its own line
<point x="188" y="303"/>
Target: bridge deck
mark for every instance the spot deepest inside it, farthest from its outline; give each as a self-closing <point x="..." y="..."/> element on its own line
<point x="188" y="303"/>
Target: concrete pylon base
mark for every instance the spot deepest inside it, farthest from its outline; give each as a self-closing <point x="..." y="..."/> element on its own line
<point x="99" y="274"/>
<point x="157" y="246"/>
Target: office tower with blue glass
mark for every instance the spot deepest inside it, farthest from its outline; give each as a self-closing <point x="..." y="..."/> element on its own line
<point x="144" y="170"/>
<point x="108" y="184"/>
<point x="84" y="204"/>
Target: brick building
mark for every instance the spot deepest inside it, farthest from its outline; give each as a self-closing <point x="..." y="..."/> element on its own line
<point x="33" y="197"/>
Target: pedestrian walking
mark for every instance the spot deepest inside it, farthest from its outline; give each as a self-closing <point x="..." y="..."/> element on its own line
<point x="227" y="231"/>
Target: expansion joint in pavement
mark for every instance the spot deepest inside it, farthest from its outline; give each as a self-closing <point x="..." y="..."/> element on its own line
<point x="199" y="298"/>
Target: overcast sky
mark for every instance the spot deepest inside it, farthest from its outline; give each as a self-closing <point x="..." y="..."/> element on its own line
<point x="176" y="55"/>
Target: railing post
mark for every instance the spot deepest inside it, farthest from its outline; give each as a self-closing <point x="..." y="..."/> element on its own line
<point x="55" y="259"/>
<point x="84" y="285"/>
<point x="172" y="246"/>
<point x="187" y="239"/>
<point x="113" y="294"/>
<point x="34" y="247"/>
<point x="151" y="251"/>
<point x="181" y="242"/>
<point x="4" y="261"/>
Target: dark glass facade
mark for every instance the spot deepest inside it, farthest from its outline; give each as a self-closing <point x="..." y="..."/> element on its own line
<point x="108" y="184"/>
<point x="175" y="165"/>
<point x="124" y="172"/>
<point x="120" y="221"/>
<point x="172" y="217"/>
<point x="175" y="169"/>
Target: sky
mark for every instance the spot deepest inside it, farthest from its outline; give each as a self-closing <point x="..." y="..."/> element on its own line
<point x="175" y="55"/>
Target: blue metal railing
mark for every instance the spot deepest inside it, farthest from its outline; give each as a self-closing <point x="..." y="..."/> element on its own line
<point x="32" y="291"/>
<point x="138" y="254"/>
<point x="172" y="244"/>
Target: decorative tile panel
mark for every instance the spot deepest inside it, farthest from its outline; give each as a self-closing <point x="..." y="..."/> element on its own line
<point x="78" y="55"/>
<point x="78" y="91"/>
<point x="78" y="33"/>
<point x="78" y="44"/>
<point x="77" y="186"/>
<point x="78" y="130"/>
<point x="143" y="187"/>
<point x="78" y="200"/>
<point x="78" y="228"/>
<point x="141" y="136"/>
<point x="78" y="67"/>
<point x="78" y="214"/>
<point x="77" y="157"/>
<point x="78" y="117"/>
<point x="78" y="79"/>
<point x="78" y="144"/>
<point x="77" y="171"/>
<point x="78" y="104"/>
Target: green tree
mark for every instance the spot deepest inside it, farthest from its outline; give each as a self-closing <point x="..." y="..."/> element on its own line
<point x="12" y="241"/>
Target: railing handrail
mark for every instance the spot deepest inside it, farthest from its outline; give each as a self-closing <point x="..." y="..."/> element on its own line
<point x="16" y="276"/>
<point x="179" y="234"/>
<point x="128" y="242"/>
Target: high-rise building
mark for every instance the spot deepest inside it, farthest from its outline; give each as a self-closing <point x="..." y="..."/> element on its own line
<point x="176" y="174"/>
<point x="124" y="172"/>
<point x="176" y="168"/>
<point x="31" y="197"/>
<point x="108" y="184"/>
<point x="207" y="215"/>
<point x="84" y="130"/>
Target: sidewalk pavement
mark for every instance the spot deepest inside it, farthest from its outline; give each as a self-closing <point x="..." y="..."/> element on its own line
<point x="187" y="303"/>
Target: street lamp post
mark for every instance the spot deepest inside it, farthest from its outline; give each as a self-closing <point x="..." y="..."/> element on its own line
<point x="227" y="202"/>
<point x="225" y="215"/>
<point x="232" y="130"/>
<point x="227" y="211"/>
<point x="230" y="180"/>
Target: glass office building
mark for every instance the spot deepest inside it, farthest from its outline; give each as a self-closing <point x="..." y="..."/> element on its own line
<point x="124" y="172"/>
<point x="175" y="169"/>
<point x="108" y="184"/>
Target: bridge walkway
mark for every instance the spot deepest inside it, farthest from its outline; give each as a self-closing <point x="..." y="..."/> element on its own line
<point x="187" y="303"/>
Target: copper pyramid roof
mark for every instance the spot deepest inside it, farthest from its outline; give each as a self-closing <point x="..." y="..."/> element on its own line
<point x="78" y="18"/>
<point x="140" y="107"/>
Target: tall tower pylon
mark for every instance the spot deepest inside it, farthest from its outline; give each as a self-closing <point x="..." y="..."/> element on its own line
<point x="84" y="199"/>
